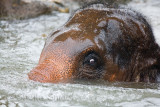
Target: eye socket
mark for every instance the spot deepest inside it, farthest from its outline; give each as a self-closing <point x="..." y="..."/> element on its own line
<point x="92" y="60"/>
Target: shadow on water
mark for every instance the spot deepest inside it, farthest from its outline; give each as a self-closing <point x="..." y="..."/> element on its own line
<point x="118" y="84"/>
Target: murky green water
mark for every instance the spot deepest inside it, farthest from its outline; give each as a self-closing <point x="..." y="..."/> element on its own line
<point x="21" y="43"/>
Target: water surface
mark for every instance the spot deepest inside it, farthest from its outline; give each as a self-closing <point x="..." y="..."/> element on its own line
<point x="21" y="42"/>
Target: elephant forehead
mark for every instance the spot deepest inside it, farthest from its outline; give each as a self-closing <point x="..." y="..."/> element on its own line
<point x="64" y="50"/>
<point x="89" y="24"/>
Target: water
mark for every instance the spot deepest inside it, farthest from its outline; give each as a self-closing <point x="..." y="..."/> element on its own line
<point x="21" y="43"/>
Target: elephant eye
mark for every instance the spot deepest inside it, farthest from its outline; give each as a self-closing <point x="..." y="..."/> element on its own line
<point x="92" y="60"/>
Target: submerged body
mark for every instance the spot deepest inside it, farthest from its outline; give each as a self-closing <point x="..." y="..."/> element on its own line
<point x="98" y="42"/>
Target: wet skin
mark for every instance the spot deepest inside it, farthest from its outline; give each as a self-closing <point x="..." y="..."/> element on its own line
<point x="113" y="44"/>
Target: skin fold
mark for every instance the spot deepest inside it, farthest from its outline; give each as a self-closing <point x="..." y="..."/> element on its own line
<point x="100" y="42"/>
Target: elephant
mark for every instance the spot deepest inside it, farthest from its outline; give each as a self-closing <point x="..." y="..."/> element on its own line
<point x="100" y="42"/>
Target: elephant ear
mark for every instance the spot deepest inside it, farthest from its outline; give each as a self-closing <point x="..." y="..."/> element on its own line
<point x="158" y="77"/>
<point x="149" y="70"/>
<point x="147" y="66"/>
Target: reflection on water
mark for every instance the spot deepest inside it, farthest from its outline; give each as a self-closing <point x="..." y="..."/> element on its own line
<point x="21" y="43"/>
